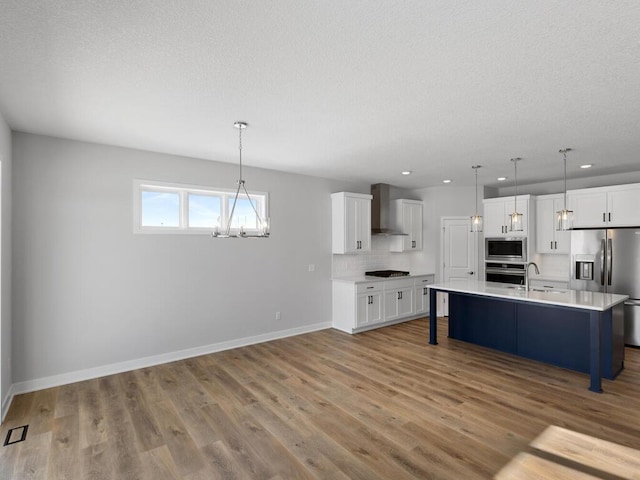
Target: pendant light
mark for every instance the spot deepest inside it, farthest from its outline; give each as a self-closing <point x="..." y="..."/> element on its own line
<point x="515" y="225"/>
<point x="564" y="217"/>
<point x="263" y="228"/>
<point x="476" y="220"/>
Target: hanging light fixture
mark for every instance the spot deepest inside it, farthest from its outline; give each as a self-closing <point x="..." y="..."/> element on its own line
<point x="476" y="220"/>
<point x="564" y="218"/>
<point x="263" y="223"/>
<point x="516" y="218"/>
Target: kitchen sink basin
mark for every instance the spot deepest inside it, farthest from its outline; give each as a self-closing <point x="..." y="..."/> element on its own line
<point x="545" y="290"/>
<point x="520" y="288"/>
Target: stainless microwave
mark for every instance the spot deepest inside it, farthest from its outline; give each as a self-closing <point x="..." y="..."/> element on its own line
<point x="505" y="249"/>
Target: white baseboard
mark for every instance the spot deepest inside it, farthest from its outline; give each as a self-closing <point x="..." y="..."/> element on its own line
<point x="6" y="401"/>
<point x="90" y="373"/>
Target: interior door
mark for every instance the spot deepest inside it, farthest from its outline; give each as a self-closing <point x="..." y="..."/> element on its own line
<point x="458" y="254"/>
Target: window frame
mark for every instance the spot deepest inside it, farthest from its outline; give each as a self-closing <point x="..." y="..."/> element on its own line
<point x="260" y="199"/>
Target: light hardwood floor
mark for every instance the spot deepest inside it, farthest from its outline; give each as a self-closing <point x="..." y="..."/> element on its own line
<point x="378" y="405"/>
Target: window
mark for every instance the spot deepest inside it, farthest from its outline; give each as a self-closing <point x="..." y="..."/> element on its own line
<point x="174" y="208"/>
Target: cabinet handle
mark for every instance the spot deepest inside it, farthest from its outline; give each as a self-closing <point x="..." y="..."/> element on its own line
<point x="399" y="295"/>
<point x="370" y="299"/>
<point x="369" y="288"/>
<point x="555" y="245"/>
<point x="603" y="217"/>
<point x="609" y="216"/>
<point x="551" y="245"/>
<point x="425" y="291"/>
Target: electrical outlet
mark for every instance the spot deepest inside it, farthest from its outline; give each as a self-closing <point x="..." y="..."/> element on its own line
<point x="278" y="316"/>
<point x="312" y="267"/>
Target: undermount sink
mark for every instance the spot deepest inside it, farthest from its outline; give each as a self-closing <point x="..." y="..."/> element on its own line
<point x="521" y="288"/>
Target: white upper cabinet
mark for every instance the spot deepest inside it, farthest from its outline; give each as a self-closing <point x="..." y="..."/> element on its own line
<point x="350" y="222"/>
<point x="614" y="206"/>
<point x="548" y="239"/>
<point x="496" y="216"/>
<point x="407" y="217"/>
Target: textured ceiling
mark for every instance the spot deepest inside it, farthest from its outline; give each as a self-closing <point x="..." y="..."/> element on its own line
<point x="357" y="90"/>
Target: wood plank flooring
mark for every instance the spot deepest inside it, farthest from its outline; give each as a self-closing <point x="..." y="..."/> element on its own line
<point x="378" y="405"/>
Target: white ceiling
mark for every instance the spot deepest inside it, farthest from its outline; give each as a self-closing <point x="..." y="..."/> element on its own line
<point x="357" y="90"/>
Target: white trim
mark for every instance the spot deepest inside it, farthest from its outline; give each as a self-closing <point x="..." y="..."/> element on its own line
<point x="6" y="402"/>
<point x="90" y="373"/>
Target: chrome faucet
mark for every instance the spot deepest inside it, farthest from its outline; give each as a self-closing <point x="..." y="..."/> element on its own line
<point x="526" y="274"/>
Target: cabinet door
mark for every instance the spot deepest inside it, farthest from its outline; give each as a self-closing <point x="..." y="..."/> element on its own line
<point x="624" y="207"/>
<point x="415" y="212"/>
<point x="390" y="305"/>
<point x="405" y="302"/>
<point x="545" y="225"/>
<point x="368" y="309"/>
<point x="422" y="299"/>
<point x="362" y="305"/>
<point x="374" y="312"/>
<point x="548" y="239"/>
<point x="357" y="225"/>
<point x="589" y="208"/>
<point x="363" y="222"/>
<point x="494" y="219"/>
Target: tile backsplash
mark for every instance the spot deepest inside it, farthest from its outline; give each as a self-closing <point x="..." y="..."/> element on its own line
<point x="379" y="258"/>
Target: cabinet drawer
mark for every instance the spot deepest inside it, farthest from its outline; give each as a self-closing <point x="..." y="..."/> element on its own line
<point x="369" y="287"/>
<point x="424" y="280"/>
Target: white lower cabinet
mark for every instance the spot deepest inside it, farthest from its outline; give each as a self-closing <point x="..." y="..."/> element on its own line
<point x="369" y="306"/>
<point x="398" y="299"/>
<point x="421" y="293"/>
<point x="359" y="306"/>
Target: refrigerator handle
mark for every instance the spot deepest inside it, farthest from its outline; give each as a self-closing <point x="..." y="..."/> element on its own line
<point x="609" y="260"/>
<point x="602" y="248"/>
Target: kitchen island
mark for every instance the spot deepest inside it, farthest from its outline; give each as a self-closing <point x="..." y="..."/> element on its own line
<point x="578" y="330"/>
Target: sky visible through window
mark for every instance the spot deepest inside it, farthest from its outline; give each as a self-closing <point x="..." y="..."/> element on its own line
<point x="178" y="209"/>
<point x="204" y="211"/>
<point x="160" y="209"/>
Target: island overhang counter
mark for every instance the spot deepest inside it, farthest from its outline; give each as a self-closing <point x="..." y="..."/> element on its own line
<point x="578" y="330"/>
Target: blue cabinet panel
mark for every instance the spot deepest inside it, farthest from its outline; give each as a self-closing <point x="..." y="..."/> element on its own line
<point x="490" y="323"/>
<point x="554" y="335"/>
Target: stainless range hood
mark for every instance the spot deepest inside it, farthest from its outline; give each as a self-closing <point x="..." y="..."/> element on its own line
<point x="381" y="211"/>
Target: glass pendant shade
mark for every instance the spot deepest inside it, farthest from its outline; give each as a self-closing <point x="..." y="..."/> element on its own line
<point x="516" y="221"/>
<point x="564" y="219"/>
<point x="476" y="223"/>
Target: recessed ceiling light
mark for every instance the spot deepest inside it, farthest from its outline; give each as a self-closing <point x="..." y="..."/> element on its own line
<point x="446" y="181"/>
<point x="502" y="179"/>
<point x="588" y="165"/>
<point x="407" y="172"/>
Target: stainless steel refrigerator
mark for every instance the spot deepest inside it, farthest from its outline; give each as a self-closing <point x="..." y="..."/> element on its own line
<point x="609" y="261"/>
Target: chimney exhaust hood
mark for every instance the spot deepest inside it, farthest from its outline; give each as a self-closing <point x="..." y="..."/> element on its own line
<point x="381" y="211"/>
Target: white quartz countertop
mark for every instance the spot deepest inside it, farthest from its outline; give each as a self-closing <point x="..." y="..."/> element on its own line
<point x="367" y="278"/>
<point x="565" y="298"/>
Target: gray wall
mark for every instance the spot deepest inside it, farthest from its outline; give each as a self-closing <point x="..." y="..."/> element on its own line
<point x="5" y="262"/>
<point x="90" y="293"/>
<point x="447" y="201"/>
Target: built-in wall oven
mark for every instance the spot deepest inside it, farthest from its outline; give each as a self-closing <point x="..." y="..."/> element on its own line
<point x="505" y="272"/>
<point x="505" y="249"/>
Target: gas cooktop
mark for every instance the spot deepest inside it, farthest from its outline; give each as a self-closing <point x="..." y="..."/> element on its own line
<point x="387" y="273"/>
